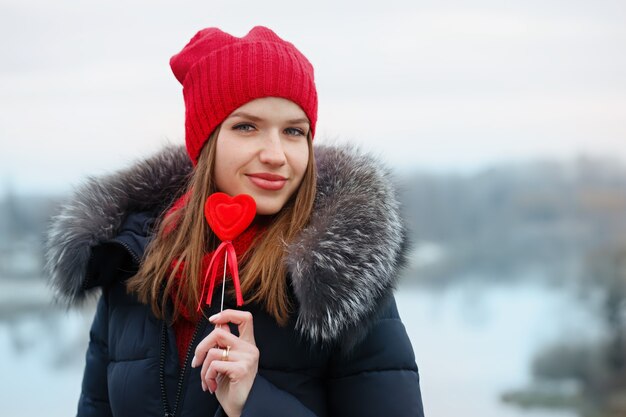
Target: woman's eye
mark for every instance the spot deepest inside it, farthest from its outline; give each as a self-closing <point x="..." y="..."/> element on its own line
<point x="294" y="131"/>
<point x="244" y="127"/>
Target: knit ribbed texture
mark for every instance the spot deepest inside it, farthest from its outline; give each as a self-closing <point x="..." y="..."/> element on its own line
<point x="220" y="73"/>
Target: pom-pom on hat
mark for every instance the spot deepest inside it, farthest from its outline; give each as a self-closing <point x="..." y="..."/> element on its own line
<point x="220" y="73"/>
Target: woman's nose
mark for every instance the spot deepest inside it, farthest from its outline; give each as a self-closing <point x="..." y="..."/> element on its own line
<point x="272" y="152"/>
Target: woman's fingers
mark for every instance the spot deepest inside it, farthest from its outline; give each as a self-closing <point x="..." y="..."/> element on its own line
<point x="234" y="371"/>
<point x="224" y="327"/>
<point x="218" y="337"/>
<point x="219" y="354"/>
<point x="243" y="355"/>
<point x="243" y="320"/>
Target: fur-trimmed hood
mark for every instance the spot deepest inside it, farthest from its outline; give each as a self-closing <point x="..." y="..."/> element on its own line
<point x="341" y="266"/>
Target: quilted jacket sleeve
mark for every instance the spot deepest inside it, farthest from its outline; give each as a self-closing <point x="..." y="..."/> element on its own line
<point x="267" y="400"/>
<point x="379" y="377"/>
<point x="94" y="397"/>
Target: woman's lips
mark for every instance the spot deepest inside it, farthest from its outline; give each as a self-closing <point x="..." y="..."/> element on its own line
<point x="270" y="182"/>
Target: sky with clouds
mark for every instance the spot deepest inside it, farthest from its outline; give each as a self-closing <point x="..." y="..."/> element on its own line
<point x="86" y="88"/>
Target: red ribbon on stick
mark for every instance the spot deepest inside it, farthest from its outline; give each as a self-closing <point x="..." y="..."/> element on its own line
<point x="228" y="217"/>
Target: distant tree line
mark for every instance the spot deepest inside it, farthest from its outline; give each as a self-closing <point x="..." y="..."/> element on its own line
<point x="510" y="217"/>
<point x="23" y="224"/>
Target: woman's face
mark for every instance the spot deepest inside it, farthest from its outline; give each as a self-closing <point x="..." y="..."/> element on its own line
<point x="262" y="151"/>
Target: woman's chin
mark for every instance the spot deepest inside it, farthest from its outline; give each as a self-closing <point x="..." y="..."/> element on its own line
<point x="268" y="206"/>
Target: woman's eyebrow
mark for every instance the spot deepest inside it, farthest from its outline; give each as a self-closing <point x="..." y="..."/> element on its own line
<point x="300" y="120"/>
<point x="249" y="116"/>
<point x="245" y="116"/>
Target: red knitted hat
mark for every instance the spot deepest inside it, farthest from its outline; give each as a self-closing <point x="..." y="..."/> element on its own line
<point x="220" y="73"/>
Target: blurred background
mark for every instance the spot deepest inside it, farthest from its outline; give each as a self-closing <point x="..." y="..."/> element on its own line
<point x="503" y="122"/>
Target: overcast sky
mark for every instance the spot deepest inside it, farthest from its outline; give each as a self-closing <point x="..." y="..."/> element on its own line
<point x="86" y="88"/>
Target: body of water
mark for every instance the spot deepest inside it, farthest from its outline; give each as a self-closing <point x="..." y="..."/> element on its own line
<point x="472" y="342"/>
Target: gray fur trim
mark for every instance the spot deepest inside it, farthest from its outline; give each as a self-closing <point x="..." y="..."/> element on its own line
<point x="96" y="210"/>
<point x="347" y="259"/>
<point x="342" y="265"/>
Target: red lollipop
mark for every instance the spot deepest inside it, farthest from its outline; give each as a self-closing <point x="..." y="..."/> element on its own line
<point x="228" y="217"/>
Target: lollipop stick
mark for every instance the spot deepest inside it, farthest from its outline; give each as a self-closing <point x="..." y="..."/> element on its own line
<point x="224" y="281"/>
<point x="220" y="376"/>
<point x="223" y="285"/>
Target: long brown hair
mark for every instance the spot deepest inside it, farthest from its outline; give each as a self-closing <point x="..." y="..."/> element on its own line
<point x="182" y="238"/>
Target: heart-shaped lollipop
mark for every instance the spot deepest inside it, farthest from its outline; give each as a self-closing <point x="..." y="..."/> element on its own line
<point x="229" y="216"/>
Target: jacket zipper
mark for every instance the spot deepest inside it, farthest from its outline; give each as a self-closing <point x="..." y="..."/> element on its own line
<point x="130" y="251"/>
<point x="169" y="412"/>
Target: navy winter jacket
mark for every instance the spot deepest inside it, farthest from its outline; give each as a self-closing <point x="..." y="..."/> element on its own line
<point x="345" y="351"/>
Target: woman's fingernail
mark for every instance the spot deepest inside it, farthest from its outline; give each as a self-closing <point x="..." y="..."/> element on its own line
<point x="193" y="361"/>
<point x="210" y="391"/>
<point x="214" y="317"/>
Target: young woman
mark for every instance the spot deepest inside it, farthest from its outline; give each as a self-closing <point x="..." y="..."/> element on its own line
<point x="318" y="333"/>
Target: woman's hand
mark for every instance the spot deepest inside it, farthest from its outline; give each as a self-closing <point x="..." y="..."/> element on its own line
<point x="230" y="376"/>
